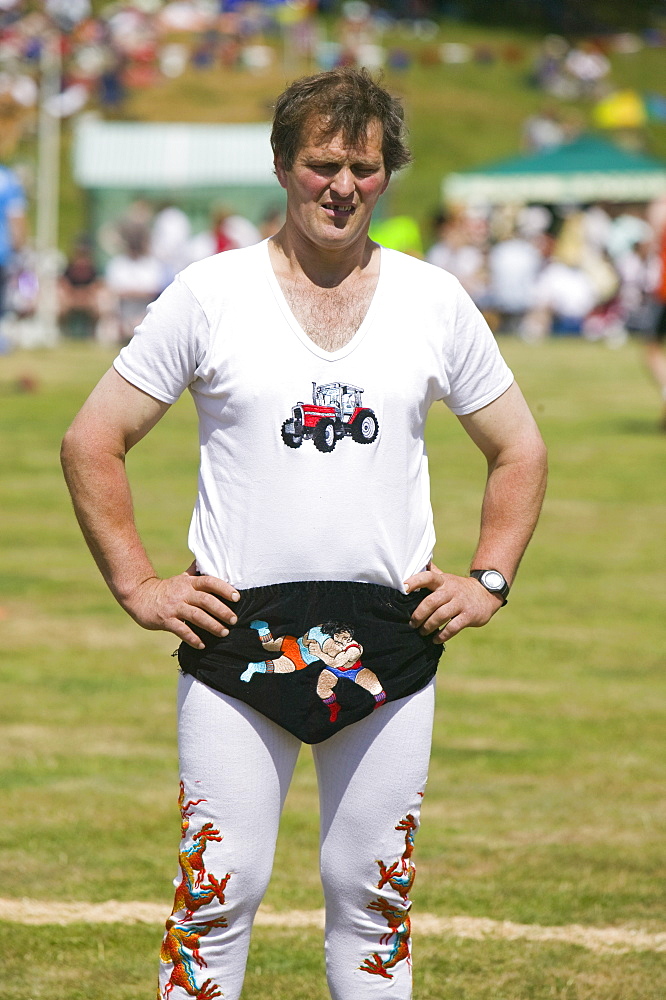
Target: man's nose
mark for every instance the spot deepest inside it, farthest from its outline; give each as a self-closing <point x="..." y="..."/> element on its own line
<point x="343" y="183"/>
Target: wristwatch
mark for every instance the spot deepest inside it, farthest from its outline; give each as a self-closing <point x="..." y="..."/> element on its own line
<point x="493" y="581"/>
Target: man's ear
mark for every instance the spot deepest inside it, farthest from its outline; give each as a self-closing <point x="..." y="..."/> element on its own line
<point x="280" y="172"/>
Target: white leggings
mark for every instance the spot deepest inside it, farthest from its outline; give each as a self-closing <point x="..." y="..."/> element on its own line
<point x="236" y="767"/>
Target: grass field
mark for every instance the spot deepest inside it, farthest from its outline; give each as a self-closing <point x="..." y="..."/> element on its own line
<point x="545" y="804"/>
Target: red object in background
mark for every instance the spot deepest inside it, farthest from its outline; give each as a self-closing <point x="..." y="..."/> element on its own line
<point x="222" y="242"/>
<point x="140" y="75"/>
<point x="429" y="56"/>
<point x="513" y="54"/>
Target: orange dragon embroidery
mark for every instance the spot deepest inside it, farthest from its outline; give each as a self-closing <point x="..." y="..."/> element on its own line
<point x="400" y="876"/>
<point x="180" y="946"/>
<point x="197" y="888"/>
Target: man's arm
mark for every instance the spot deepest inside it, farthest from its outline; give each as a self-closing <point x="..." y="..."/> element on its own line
<point x="506" y="433"/>
<point x="114" y="418"/>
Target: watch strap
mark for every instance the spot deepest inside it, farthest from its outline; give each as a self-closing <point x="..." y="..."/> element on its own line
<point x="502" y="591"/>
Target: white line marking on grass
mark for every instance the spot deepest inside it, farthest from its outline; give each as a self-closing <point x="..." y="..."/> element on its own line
<point x="600" y="939"/>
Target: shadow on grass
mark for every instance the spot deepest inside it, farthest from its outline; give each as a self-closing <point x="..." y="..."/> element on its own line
<point x="635" y="425"/>
<point x="481" y="753"/>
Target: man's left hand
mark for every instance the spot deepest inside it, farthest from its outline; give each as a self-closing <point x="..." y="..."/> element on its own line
<point x="456" y="602"/>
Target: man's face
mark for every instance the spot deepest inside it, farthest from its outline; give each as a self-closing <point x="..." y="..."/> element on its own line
<point x="332" y="188"/>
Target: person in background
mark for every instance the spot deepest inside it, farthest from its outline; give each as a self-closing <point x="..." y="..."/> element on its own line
<point x="514" y="265"/>
<point x="271" y="222"/>
<point x="543" y="130"/>
<point x="170" y="234"/>
<point x="457" y="250"/>
<point x="655" y="334"/>
<point x="228" y="231"/>
<point x="564" y="293"/>
<point x="82" y="290"/>
<point x="135" y="278"/>
<point x="240" y="231"/>
<point x="12" y="226"/>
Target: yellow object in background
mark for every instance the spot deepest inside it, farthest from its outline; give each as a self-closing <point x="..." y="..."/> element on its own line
<point x="622" y="109"/>
<point x="399" y="233"/>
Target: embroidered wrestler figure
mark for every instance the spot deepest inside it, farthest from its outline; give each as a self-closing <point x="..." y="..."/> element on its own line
<point x="333" y="644"/>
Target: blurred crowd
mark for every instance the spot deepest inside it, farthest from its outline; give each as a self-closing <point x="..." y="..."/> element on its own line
<point x="593" y="271"/>
<point x="131" y="44"/>
<point x="142" y="252"/>
<point x="596" y="271"/>
<point x="146" y="248"/>
<point x="534" y="271"/>
<point x="564" y="72"/>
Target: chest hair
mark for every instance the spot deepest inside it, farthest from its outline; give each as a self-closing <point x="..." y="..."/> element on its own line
<point x="330" y="316"/>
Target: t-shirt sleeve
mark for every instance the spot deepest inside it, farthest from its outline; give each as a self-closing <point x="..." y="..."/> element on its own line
<point x="168" y="347"/>
<point x="478" y="373"/>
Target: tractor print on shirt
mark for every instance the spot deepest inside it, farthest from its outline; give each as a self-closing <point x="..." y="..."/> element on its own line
<point x="336" y="411"/>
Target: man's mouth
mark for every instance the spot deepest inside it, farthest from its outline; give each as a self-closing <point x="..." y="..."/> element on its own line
<point x="339" y="210"/>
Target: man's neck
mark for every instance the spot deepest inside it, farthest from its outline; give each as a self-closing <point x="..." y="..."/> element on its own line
<point x="296" y="258"/>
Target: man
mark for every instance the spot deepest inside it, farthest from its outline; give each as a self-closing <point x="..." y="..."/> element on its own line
<point x="275" y="547"/>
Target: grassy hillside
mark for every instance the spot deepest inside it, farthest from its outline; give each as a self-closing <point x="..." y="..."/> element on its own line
<point x="459" y="115"/>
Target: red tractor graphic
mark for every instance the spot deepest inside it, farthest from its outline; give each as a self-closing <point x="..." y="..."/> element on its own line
<point x="335" y="411"/>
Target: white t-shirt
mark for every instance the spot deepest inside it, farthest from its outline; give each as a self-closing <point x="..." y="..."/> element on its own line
<point x="270" y="513"/>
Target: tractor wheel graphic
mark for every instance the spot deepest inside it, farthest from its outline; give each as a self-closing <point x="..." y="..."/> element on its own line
<point x="365" y="428"/>
<point x="324" y="435"/>
<point x="292" y="440"/>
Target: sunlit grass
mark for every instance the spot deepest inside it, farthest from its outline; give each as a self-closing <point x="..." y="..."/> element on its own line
<point x="545" y="801"/>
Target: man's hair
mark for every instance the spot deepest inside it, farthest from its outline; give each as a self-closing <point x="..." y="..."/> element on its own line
<point x="342" y="101"/>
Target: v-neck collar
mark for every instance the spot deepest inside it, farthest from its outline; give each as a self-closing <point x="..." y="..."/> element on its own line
<point x="298" y="330"/>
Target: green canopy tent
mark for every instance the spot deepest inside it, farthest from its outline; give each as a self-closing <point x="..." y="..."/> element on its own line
<point x="586" y="170"/>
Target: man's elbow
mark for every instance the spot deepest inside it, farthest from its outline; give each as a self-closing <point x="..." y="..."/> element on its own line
<point x="88" y="446"/>
<point x="527" y="448"/>
<point x="537" y="458"/>
<point x="539" y="452"/>
<point x="72" y="450"/>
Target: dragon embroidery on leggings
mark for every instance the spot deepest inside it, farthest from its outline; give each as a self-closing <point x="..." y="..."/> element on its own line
<point x="400" y="876"/>
<point x="197" y="888"/>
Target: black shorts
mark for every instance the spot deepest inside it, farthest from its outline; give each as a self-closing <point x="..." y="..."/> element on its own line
<point x="317" y="656"/>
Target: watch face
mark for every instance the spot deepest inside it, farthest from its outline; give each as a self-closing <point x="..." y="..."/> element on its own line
<point x="493" y="580"/>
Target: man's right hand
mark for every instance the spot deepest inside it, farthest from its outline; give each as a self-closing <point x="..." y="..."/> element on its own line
<point x="170" y="604"/>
